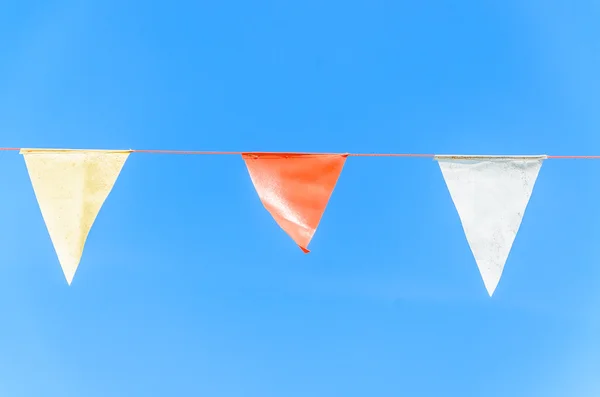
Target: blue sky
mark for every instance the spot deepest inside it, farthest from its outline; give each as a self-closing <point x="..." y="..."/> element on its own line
<point x="188" y="287"/>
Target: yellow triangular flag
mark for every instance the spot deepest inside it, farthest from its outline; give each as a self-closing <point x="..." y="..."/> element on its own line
<point x="70" y="187"/>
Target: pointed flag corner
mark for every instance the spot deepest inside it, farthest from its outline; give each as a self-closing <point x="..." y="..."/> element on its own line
<point x="69" y="275"/>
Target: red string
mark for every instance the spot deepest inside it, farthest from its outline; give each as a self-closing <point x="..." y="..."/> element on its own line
<point x="193" y="152"/>
<point x="575" y="157"/>
<point x="239" y="153"/>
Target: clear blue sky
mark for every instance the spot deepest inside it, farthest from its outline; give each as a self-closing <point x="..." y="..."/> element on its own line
<point x="188" y="287"/>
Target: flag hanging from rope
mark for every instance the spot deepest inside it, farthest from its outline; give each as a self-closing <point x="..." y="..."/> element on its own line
<point x="490" y="194"/>
<point x="295" y="188"/>
<point x="70" y="187"/>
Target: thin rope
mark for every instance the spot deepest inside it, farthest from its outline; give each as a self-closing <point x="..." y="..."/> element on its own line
<point x="220" y="153"/>
<point x="575" y="157"/>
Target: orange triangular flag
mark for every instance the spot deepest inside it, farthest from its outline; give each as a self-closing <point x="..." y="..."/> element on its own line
<point x="295" y="188"/>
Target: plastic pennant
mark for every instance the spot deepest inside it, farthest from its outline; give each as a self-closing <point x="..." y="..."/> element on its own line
<point x="295" y="188"/>
<point x="490" y="194"/>
<point x="71" y="187"/>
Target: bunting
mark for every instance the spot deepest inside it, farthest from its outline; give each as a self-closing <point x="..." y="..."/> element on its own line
<point x="490" y="194"/>
<point x="70" y="187"/>
<point x="295" y="188"/>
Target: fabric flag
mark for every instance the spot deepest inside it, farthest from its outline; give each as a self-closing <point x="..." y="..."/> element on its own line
<point x="490" y="194"/>
<point x="70" y="187"/>
<point x="295" y="188"/>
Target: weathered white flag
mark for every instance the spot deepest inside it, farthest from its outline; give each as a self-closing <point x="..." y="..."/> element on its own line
<point x="490" y="194"/>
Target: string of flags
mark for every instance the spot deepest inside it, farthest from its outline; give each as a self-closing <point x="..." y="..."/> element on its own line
<point x="490" y="194"/>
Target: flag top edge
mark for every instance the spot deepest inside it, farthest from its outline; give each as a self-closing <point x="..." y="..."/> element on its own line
<point x="489" y="157"/>
<point x="43" y="151"/>
<point x="278" y="155"/>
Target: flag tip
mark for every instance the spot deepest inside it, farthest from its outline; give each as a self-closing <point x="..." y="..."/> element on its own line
<point x="491" y="289"/>
<point x="305" y="250"/>
<point x="69" y="278"/>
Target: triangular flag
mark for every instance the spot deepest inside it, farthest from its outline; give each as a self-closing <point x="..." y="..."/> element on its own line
<point x="490" y="194"/>
<point x="70" y="187"/>
<point x="295" y="188"/>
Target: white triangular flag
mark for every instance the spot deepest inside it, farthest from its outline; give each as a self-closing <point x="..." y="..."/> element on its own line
<point x="70" y="187"/>
<point x="490" y="194"/>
